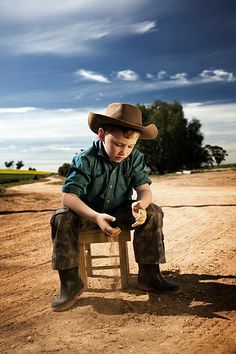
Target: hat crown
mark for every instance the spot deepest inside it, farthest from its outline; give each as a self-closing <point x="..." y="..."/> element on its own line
<point x="125" y="112"/>
<point x="123" y="115"/>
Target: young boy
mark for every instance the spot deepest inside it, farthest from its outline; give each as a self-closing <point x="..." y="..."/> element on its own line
<point x="97" y="194"/>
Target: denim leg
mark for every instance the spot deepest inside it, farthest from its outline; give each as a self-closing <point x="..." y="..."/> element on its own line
<point x="65" y="227"/>
<point x="149" y="239"/>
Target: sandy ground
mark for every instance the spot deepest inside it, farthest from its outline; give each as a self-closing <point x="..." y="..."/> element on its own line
<point x="200" y="247"/>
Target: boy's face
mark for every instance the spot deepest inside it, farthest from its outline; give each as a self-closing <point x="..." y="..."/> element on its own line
<point x="116" y="145"/>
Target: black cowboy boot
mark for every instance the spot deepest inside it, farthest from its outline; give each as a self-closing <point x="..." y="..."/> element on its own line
<point x="71" y="287"/>
<point x="151" y="280"/>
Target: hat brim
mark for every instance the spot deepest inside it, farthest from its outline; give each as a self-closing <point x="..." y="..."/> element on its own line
<point x="95" y="121"/>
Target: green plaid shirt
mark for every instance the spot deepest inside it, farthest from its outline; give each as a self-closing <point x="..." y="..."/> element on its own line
<point x="102" y="184"/>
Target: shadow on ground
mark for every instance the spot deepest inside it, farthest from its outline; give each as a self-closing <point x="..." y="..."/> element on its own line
<point x="203" y="295"/>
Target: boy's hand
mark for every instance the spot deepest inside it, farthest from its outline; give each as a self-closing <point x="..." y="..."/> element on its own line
<point x="103" y="221"/>
<point x="139" y="213"/>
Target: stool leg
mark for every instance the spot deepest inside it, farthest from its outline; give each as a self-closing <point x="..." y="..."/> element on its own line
<point x="89" y="260"/>
<point x="124" y="263"/>
<point x="82" y="265"/>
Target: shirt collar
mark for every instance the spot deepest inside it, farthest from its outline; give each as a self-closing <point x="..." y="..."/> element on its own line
<point x="102" y="152"/>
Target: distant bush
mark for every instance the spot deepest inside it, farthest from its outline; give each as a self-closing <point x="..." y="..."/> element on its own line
<point x="2" y="190"/>
<point x="64" y="169"/>
<point x="19" y="164"/>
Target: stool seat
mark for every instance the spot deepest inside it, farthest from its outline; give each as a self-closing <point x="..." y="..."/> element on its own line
<point x="86" y="238"/>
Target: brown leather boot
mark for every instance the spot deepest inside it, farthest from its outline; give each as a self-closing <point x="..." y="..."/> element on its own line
<point x="71" y="287"/>
<point x="151" y="281"/>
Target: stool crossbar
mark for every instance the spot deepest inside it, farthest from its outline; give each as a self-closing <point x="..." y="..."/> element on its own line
<point x="86" y="238"/>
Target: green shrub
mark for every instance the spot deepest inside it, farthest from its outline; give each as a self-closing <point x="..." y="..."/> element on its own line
<point x="63" y="170"/>
<point x="2" y="190"/>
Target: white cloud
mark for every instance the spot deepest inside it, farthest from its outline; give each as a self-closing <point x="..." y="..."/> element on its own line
<point x="216" y="75"/>
<point x="150" y="76"/>
<point x="161" y="74"/>
<point x="69" y="27"/>
<point x="128" y="82"/>
<point x="67" y="37"/>
<point x="37" y="9"/>
<point x="44" y="139"/>
<point x="42" y="123"/>
<point x="127" y="75"/>
<point x="180" y="78"/>
<point x="93" y="76"/>
<point x="214" y="114"/>
<point x="143" y="27"/>
<point x="218" y="124"/>
<point x="17" y="110"/>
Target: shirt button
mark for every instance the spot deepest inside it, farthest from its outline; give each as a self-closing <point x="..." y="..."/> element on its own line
<point x="108" y="201"/>
<point x="111" y="186"/>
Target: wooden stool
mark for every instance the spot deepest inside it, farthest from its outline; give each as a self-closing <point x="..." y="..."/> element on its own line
<point x="85" y="257"/>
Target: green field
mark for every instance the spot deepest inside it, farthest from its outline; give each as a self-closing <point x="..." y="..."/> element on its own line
<point x="16" y="176"/>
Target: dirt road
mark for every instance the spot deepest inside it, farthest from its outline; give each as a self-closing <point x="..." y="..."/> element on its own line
<point x="200" y="247"/>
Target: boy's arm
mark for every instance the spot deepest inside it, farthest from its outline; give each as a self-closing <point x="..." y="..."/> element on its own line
<point x="144" y="195"/>
<point x="144" y="198"/>
<point x="73" y="202"/>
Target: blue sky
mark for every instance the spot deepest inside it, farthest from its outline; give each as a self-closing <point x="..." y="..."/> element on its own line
<point x="59" y="60"/>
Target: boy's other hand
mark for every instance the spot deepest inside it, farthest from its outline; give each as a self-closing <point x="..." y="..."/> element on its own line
<point x="139" y="213"/>
<point x="103" y="221"/>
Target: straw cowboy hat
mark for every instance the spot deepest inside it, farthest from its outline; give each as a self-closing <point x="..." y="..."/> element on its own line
<point x="125" y="115"/>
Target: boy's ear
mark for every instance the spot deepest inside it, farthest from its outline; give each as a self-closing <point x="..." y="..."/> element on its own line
<point x="101" y="134"/>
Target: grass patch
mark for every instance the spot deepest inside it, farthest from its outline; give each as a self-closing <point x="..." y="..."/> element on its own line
<point x="21" y="176"/>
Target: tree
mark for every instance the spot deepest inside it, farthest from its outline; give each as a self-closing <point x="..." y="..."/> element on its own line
<point x="194" y="151"/>
<point x="179" y="143"/>
<point x="64" y="169"/>
<point x="209" y="160"/>
<point x="19" y="164"/>
<point x="9" y="164"/>
<point x="216" y="153"/>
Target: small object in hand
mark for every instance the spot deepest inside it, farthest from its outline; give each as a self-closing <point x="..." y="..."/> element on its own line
<point x="140" y="216"/>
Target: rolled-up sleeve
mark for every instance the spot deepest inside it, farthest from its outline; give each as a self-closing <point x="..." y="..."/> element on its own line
<point x="78" y="177"/>
<point x="139" y="171"/>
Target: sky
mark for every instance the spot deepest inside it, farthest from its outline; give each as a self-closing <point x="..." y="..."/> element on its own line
<point x="59" y="60"/>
